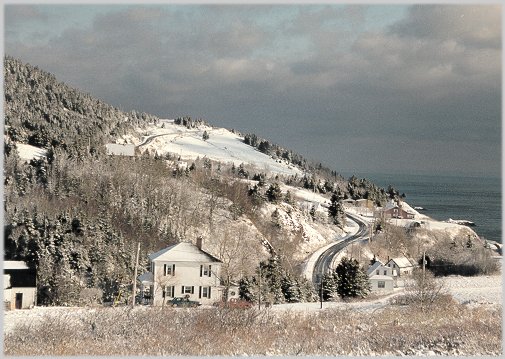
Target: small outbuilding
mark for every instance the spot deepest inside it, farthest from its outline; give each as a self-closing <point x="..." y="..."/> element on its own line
<point x="20" y="285"/>
<point x="402" y="265"/>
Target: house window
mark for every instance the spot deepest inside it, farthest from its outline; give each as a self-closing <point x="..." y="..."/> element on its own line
<point x="381" y="284"/>
<point x="188" y="289"/>
<point x="204" y="292"/>
<point x="205" y="270"/>
<point x="169" y="269"/>
<point x="385" y="272"/>
<point x="377" y="271"/>
<point x="168" y="291"/>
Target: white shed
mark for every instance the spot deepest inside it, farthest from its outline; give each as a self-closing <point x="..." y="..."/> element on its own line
<point x="20" y="285"/>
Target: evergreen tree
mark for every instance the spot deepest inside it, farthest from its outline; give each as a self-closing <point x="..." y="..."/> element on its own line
<point x="274" y="193"/>
<point x="246" y="289"/>
<point x="272" y="277"/>
<point x="205" y="136"/>
<point x="291" y="290"/>
<point x="242" y="171"/>
<point x="307" y="290"/>
<point x="277" y="284"/>
<point x="312" y="212"/>
<point x="264" y="147"/>
<point x="330" y="286"/>
<point x="336" y="209"/>
<point x="392" y="193"/>
<point x="260" y="177"/>
<point x="256" y="197"/>
<point x="352" y="279"/>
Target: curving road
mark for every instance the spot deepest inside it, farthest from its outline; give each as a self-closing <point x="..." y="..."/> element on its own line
<point x="149" y="139"/>
<point x="324" y="261"/>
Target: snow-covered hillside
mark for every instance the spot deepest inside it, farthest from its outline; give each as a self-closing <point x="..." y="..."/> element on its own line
<point x="222" y="145"/>
<point x="228" y="147"/>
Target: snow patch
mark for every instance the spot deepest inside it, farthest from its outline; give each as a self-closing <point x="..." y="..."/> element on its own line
<point x="28" y="152"/>
<point x="222" y="145"/>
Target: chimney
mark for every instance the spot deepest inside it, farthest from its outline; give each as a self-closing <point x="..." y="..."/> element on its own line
<point x="199" y="241"/>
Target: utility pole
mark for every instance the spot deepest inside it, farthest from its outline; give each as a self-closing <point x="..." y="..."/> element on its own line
<point x="321" y="291"/>
<point x="134" y="289"/>
<point x="424" y="262"/>
<point x="259" y="290"/>
<point x="422" y="282"/>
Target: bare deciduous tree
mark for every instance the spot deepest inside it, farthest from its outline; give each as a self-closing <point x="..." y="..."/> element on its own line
<point x="424" y="290"/>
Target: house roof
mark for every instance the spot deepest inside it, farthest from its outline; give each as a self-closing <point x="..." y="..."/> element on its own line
<point x="374" y="267"/>
<point x="401" y="262"/>
<point x="146" y="278"/>
<point x="390" y="205"/>
<point x="183" y="252"/>
<point x="15" y="265"/>
<point x="20" y="275"/>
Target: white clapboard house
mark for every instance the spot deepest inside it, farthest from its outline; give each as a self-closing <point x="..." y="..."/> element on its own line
<point x="183" y="270"/>
<point x="381" y="277"/>
<point x="401" y="265"/>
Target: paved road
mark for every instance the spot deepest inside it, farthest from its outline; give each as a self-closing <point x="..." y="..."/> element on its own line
<point x="180" y="133"/>
<point x="324" y="261"/>
<point x="150" y="138"/>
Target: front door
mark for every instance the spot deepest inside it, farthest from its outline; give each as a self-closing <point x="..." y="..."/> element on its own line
<point x="19" y="300"/>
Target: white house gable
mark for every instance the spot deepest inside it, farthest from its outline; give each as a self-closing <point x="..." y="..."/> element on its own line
<point x="401" y="265"/>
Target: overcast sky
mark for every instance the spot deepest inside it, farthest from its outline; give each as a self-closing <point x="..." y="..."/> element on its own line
<point x="401" y="89"/>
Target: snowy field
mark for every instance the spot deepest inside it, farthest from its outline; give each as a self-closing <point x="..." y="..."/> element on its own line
<point x="480" y="290"/>
<point x="474" y="291"/>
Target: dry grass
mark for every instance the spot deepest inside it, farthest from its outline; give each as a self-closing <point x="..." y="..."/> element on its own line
<point x="453" y="329"/>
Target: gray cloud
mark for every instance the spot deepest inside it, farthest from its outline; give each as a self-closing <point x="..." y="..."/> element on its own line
<point x="476" y="26"/>
<point x="18" y="14"/>
<point x="305" y="78"/>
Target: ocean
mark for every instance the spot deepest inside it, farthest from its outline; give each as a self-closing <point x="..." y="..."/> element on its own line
<point x="475" y="199"/>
